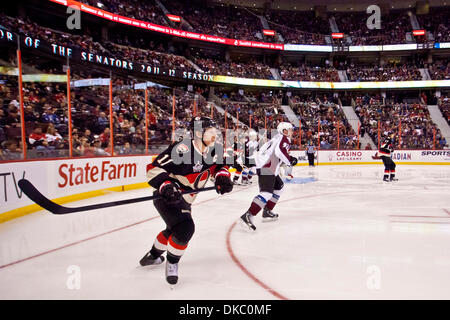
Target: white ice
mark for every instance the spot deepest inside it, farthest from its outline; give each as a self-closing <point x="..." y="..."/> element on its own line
<point x="347" y="235"/>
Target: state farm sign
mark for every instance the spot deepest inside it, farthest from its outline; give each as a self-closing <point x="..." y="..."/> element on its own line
<point x="89" y="172"/>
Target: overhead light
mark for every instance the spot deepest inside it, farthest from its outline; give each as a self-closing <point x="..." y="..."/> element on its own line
<point x="419" y="32"/>
<point x="174" y="17"/>
<point x="337" y="35"/>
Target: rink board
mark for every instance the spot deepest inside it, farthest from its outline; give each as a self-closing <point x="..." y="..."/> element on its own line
<point x="350" y="157"/>
<point x="75" y="179"/>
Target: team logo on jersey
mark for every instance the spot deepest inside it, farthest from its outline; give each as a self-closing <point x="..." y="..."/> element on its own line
<point x="198" y="167"/>
<point x="182" y="148"/>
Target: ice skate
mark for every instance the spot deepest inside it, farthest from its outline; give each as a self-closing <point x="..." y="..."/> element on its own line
<point x="268" y="215"/>
<point x="172" y="273"/>
<point x="148" y="260"/>
<point x="247" y="221"/>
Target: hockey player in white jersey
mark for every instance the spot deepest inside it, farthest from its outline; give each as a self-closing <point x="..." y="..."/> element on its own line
<point x="268" y="160"/>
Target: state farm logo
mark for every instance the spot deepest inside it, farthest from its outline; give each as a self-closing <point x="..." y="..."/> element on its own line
<point x="75" y="175"/>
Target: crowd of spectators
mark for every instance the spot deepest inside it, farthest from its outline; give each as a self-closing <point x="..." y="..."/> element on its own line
<point x="436" y="22"/>
<point x="46" y="114"/>
<point x="308" y="73"/>
<point x="440" y="70"/>
<point x="444" y="106"/>
<point x="393" y="27"/>
<point x="158" y="56"/>
<point x="410" y="123"/>
<point x="299" y="27"/>
<point x="225" y="21"/>
<point x="324" y="110"/>
<point x="46" y="118"/>
<point x="250" y="69"/>
<point x="389" y="72"/>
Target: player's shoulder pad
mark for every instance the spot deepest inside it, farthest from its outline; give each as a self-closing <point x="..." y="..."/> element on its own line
<point x="182" y="147"/>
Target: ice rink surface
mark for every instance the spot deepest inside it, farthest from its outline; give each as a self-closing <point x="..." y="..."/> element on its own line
<point x="342" y="234"/>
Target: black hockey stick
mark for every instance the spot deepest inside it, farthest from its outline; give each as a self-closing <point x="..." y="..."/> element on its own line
<point x="34" y="194"/>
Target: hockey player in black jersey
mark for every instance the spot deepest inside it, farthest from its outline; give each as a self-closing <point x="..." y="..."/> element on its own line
<point x="184" y="165"/>
<point x="385" y="154"/>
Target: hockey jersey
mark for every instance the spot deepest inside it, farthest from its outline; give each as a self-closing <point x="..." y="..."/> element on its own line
<point x="184" y="165"/>
<point x="386" y="148"/>
<point x="273" y="153"/>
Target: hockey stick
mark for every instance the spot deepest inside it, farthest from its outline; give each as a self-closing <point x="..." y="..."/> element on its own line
<point x="34" y="194"/>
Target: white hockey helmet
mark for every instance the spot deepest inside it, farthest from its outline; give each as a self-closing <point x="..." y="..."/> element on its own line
<point x="252" y="133"/>
<point x="284" y="126"/>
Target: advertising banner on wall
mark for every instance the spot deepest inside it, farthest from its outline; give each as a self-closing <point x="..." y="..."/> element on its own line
<point x="59" y="178"/>
<point x="333" y="157"/>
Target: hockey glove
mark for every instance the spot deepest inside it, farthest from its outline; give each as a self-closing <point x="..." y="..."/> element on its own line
<point x="170" y="193"/>
<point x="223" y="182"/>
<point x="293" y="161"/>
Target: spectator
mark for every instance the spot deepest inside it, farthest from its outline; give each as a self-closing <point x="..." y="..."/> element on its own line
<point x="102" y="121"/>
<point x="37" y="138"/>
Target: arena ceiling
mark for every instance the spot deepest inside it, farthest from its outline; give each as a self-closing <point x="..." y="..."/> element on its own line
<point x="332" y="5"/>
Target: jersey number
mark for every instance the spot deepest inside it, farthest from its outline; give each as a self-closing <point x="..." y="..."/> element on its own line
<point x="162" y="161"/>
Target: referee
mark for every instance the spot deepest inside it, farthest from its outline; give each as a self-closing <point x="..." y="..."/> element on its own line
<point x="310" y="152"/>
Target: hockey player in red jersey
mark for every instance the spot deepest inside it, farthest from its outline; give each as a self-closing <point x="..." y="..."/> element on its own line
<point x="185" y="165"/>
<point x="268" y="160"/>
<point x="385" y="154"/>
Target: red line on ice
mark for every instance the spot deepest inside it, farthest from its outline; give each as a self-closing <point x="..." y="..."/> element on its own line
<point x="245" y="270"/>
